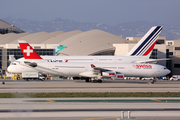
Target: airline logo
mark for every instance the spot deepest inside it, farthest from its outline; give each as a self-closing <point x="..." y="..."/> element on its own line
<point x="28" y="51"/>
<point x="144" y="66"/>
<point x="147" y="43"/>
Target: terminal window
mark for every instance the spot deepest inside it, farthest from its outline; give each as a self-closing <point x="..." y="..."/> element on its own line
<point x="160" y="41"/>
<point x="170" y="53"/>
<point x="18" y="54"/>
<point x="154" y="54"/>
<point x="169" y="43"/>
<point x="176" y="65"/>
<point x="177" y="48"/>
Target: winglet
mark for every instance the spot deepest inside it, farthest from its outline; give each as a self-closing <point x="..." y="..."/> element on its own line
<point x="93" y="66"/>
<point x="28" y="51"/>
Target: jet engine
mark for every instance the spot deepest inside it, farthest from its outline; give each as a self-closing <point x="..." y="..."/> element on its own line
<point x="109" y="74"/>
<point x="119" y="76"/>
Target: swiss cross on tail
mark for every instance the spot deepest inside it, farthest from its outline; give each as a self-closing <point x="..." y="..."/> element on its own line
<point x="28" y="51"/>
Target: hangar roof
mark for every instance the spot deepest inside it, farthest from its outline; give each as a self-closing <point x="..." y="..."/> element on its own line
<point x="58" y="38"/>
<point x="90" y="42"/>
<point x="46" y="36"/>
<point x="11" y="37"/>
<point x="29" y="38"/>
<point x="76" y="42"/>
<point x="6" y="25"/>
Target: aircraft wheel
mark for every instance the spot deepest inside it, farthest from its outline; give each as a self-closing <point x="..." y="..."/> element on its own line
<point x="153" y="81"/>
<point x="95" y="81"/>
<point x="99" y="81"/>
<point x="87" y="79"/>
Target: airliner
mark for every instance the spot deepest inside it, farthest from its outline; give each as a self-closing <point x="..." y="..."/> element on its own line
<point x="94" y="70"/>
<point x="139" y="54"/>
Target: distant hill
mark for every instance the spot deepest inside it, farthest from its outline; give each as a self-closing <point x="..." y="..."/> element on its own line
<point x="129" y="29"/>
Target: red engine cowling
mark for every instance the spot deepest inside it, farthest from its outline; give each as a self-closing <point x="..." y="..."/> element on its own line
<point x="109" y="74"/>
<point x="119" y="76"/>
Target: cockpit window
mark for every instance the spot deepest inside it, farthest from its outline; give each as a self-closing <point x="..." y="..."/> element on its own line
<point x="13" y="64"/>
<point x="165" y="68"/>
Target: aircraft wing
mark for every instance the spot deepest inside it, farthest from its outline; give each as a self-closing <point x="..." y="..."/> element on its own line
<point x="102" y="72"/>
<point x="42" y="69"/>
<point x="152" y="60"/>
<point x="98" y="69"/>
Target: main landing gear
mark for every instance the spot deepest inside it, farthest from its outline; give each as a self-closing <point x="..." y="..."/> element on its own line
<point x="93" y="80"/>
<point x="97" y="81"/>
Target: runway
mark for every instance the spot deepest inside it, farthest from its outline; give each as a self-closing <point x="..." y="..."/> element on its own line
<point x="143" y="108"/>
<point x="81" y="86"/>
<point x="38" y="109"/>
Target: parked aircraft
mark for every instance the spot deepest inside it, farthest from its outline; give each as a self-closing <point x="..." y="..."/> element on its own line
<point x="93" y="70"/>
<point x="139" y="54"/>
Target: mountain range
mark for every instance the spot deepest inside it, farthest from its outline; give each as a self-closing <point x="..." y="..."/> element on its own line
<point x="128" y="29"/>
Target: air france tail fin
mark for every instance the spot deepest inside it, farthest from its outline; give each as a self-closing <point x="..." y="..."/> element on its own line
<point x="28" y="51"/>
<point x="145" y="46"/>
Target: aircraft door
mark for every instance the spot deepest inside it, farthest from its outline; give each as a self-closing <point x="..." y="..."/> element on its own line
<point x="88" y="67"/>
<point x="115" y="60"/>
<point x="96" y="59"/>
<point x="158" y="70"/>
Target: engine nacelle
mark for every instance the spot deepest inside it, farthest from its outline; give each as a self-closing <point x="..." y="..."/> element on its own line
<point x="88" y="74"/>
<point x="104" y="74"/>
<point x="119" y="76"/>
<point x="109" y="74"/>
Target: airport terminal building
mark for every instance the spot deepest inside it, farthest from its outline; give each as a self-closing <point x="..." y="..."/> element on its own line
<point x="93" y="42"/>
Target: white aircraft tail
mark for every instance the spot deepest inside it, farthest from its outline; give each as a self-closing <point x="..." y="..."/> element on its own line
<point x="145" y="46"/>
<point x="11" y="58"/>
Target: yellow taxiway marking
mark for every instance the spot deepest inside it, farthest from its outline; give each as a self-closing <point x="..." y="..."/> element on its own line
<point x="50" y="100"/>
<point x="100" y="118"/>
<point x="50" y="83"/>
<point x="155" y="100"/>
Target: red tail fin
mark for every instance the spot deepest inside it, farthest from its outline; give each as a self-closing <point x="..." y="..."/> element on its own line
<point x="28" y="51"/>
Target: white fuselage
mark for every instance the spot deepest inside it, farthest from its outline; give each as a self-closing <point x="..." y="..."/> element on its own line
<point x="85" y="69"/>
<point x="138" y="54"/>
<point x="15" y="67"/>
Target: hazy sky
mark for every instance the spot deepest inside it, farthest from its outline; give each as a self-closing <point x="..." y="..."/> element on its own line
<point x="110" y="12"/>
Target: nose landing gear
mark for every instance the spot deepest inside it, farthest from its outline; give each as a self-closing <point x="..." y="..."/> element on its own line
<point x="153" y="81"/>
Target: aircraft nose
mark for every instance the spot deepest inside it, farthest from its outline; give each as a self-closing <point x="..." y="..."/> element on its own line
<point x="9" y="69"/>
<point x="168" y="71"/>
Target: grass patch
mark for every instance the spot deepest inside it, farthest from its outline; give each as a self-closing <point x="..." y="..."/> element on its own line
<point x="107" y="94"/>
